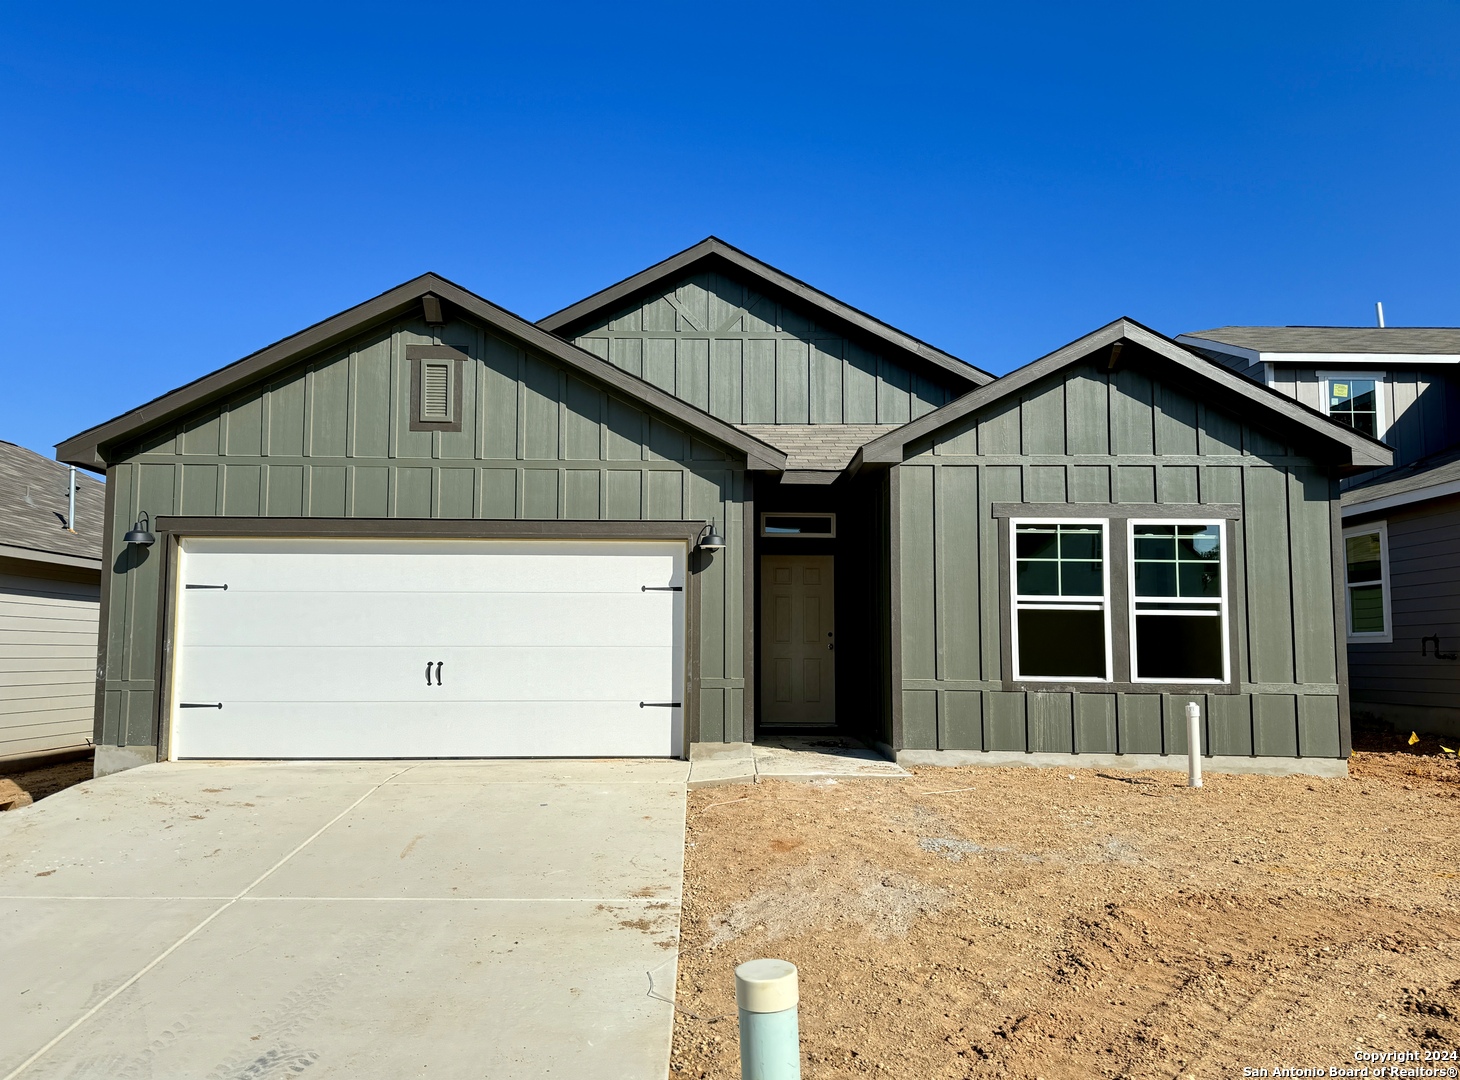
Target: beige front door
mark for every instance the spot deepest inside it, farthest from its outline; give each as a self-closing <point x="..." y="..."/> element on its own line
<point x="797" y="618"/>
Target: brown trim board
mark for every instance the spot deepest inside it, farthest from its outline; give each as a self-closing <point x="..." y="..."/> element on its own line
<point x="89" y="448"/>
<point x="713" y="253"/>
<point x="1348" y="446"/>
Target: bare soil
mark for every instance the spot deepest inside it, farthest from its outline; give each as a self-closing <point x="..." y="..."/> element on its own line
<point x="21" y="787"/>
<point x="1021" y="922"/>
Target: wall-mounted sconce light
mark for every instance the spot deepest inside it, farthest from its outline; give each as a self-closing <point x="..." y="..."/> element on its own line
<point x="711" y="542"/>
<point x="141" y="532"/>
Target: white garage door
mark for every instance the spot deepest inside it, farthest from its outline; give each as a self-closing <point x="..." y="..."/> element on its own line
<point x="428" y="648"/>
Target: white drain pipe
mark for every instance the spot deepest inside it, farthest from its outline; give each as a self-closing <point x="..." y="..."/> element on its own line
<point x="768" y="996"/>
<point x="1193" y="744"/>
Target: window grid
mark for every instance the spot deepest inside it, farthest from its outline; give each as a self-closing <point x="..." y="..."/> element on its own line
<point x="1056" y="566"/>
<point x="1196" y="587"/>
<point x="1355" y="399"/>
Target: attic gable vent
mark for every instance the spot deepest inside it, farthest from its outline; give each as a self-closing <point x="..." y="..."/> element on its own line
<point x="436" y="391"/>
<point x="436" y="386"/>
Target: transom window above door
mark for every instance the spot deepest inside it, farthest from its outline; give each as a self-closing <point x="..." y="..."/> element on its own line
<point x="807" y="526"/>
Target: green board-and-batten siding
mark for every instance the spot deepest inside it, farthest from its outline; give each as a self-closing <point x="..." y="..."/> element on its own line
<point x="724" y="348"/>
<point x="1086" y="436"/>
<point x="331" y="438"/>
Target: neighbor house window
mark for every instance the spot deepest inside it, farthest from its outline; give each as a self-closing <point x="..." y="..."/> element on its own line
<point x="1061" y="590"/>
<point x="1355" y="401"/>
<point x="1366" y="581"/>
<point x="1178" y="602"/>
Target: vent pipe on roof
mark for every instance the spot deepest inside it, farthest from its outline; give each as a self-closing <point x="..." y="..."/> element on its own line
<point x="1379" y="311"/>
<point x="71" y="512"/>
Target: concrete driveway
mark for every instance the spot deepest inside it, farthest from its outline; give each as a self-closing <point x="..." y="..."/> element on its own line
<point x="351" y="919"/>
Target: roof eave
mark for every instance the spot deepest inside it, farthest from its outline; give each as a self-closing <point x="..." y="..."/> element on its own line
<point x="87" y="449"/>
<point x="1362" y="452"/>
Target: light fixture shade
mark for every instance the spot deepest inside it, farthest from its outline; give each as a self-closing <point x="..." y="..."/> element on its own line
<point x="713" y="542"/>
<point x="141" y="533"/>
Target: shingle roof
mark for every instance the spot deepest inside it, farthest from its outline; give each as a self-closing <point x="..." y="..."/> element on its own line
<point x="1432" y="471"/>
<point x="818" y="447"/>
<point x="33" y="504"/>
<point x="1408" y="340"/>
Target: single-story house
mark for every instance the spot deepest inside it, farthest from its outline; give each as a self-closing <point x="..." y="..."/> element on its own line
<point x="708" y="503"/>
<point x="50" y="586"/>
<point x="1400" y="384"/>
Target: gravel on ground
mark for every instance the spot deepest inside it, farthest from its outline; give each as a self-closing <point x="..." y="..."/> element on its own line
<point x="28" y="782"/>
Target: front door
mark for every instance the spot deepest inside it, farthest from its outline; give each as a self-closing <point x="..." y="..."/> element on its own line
<point x="797" y="619"/>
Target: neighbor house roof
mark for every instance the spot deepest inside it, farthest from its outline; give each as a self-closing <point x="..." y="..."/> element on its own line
<point x="34" y="502"/>
<point x="1298" y="344"/>
<point x="89" y="448"/>
<point x="1433" y="477"/>
<point x="1218" y="384"/>
<point x="714" y="254"/>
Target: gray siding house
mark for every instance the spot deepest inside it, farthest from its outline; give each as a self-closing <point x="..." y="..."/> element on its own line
<point x="1401" y="523"/>
<point x="707" y="504"/>
<point x="50" y="582"/>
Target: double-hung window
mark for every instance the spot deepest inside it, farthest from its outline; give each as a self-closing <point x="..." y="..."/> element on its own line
<point x="1061" y="594"/>
<point x="1366" y="582"/>
<point x="1178" y="602"/>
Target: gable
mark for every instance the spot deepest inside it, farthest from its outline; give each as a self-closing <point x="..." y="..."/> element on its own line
<point x="1085" y="411"/>
<point x="1125" y="348"/>
<point x="331" y="436"/>
<point x="720" y="345"/>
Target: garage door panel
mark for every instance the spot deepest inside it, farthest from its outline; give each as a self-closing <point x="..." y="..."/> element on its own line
<point x="614" y="568"/>
<point x="319" y="648"/>
<point x="569" y="673"/>
<point x="431" y="619"/>
<point x="445" y="729"/>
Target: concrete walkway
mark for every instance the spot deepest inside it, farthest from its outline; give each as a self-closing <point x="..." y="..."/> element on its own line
<point x="807" y="758"/>
<point x="344" y="919"/>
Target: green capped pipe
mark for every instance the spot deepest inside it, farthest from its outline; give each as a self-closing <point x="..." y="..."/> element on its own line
<point x="768" y="995"/>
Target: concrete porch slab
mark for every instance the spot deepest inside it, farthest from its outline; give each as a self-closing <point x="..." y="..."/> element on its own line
<point x="804" y="758"/>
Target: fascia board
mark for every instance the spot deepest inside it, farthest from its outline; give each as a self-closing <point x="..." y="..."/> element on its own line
<point x="1362" y="450"/>
<point x="1403" y="498"/>
<point x="54" y="558"/>
<point x="1252" y="356"/>
<point x="84" y="449"/>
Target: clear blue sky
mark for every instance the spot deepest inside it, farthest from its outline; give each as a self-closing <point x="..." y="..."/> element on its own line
<point x="182" y="185"/>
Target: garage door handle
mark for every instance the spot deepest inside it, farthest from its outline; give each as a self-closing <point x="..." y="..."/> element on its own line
<point x="661" y="588"/>
<point x="659" y="705"/>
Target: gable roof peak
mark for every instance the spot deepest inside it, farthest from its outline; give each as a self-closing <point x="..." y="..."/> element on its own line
<point x="945" y="368"/>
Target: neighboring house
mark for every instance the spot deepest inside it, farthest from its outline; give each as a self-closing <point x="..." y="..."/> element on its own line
<point x="1401" y="524"/>
<point x="50" y="578"/>
<point x="706" y="504"/>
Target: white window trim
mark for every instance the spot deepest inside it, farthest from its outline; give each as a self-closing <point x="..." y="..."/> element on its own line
<point x="1036" y="603"/>
<point x="830" y="534"/>
<point x="1382" y="528"/>
<point x="1381" y="415"/>
<point x="1224" y="608"/>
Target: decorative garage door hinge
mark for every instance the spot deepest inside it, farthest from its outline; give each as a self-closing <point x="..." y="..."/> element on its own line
<point x="652" y="588"/>
<point x="223" y="587"/>
<point x="659" y="705"/>
<point x="200" y="704"/>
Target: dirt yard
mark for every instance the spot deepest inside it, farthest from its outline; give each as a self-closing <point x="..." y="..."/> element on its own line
<point x="1041" y="923"/>
<point x="21" y="787"/>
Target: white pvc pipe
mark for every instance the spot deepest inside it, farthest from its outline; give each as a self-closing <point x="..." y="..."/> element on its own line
<point x="1193" y="744"/>
<point x="768" y="995"/>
